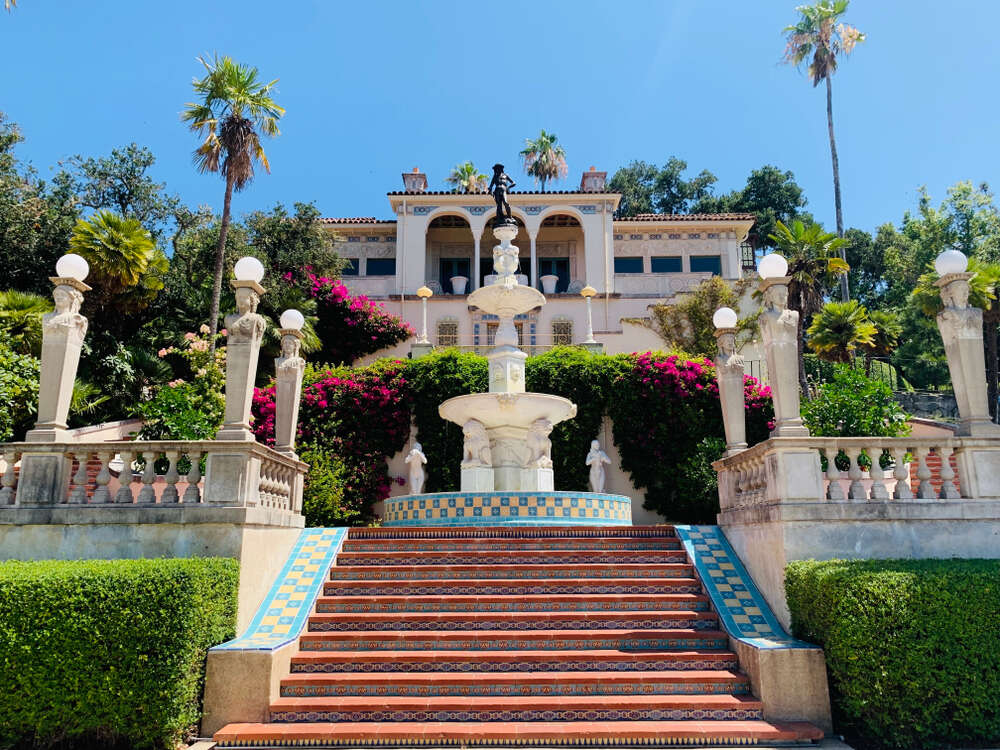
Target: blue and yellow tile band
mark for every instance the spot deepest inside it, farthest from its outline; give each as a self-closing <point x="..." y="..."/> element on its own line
<point x="508" y="509"/>
<point x="282" y="615"/>
<point x="743" y="612"/>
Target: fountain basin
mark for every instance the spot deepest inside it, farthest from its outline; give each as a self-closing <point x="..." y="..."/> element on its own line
<point x="508" y="509"/>
<point x="500" y="299"/>
<point x="496" y="410"/>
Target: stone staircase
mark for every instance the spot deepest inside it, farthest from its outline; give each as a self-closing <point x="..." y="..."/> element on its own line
<point x="516" y="637"/>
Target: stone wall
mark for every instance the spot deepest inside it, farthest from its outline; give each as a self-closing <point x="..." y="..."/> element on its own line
<point x="929" y="404"/>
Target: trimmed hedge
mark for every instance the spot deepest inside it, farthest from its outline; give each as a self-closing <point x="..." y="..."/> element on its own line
<point x="912" y="647"/>
<point x="109" y="652"/>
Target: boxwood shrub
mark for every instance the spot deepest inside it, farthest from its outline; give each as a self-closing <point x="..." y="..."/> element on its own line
<point x="109" y="652"/>
<point x="912" y="647"/>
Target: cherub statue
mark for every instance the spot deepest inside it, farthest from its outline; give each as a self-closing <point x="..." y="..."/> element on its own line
<point x="498" y="188"/>
<point x="416" y="460"/>
<point x="476" y="449"/>
<point x="596" y="460"/>
<point x="539" y="445"/>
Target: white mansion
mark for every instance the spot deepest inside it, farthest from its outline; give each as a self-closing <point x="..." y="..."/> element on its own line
<point x="568" y="240"/>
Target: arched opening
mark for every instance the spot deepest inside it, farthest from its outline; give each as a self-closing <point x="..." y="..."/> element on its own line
<point x="450" y="248"/>
<point x="522" y="242"/>
<point x="559" y="250"/>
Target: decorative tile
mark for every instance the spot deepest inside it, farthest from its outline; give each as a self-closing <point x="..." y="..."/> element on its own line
<point x="743" y="611"/>
<point x="282" y="615"/>
<point x="557" y="508"/>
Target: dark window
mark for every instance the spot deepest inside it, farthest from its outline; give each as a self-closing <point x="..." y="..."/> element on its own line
<point x="454" y="267"/>
<point x="628" y="265"/>
<point x="666" y="264"/>
<point x="351" y="269"/>
<point x="371" y="238"/>
<point x="381" y="267"/>
<point x="707" y="263"/>
<point x="554" y="267"/>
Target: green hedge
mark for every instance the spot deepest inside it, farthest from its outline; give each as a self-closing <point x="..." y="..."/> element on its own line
<point x="109" y="652"/>
<point x="912" y="647"/>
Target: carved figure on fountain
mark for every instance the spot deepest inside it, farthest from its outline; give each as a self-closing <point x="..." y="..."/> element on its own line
<point x="416" y="459"/>
<point x="539" y="445"/>
<point x="476" y="448"/>
<point x="596" y="460"/>
<point x="498" y="188"/>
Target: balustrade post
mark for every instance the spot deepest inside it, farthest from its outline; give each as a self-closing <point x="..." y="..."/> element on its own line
<point x="857" y="488"/>
<point x="101" y="494"/>
<point x="172" y="476"/>
<point x="948" y="489"/>
<point x="192" y="494"/>
<point x="79" y="494"/>
<point x="289" y="368"/>
<point x="9" y="480"/>
<point x="833" y="491"/>
<point x="125" y="479"/>
<point x="925" y="490"/>
<point x="147" y="494"/>
<point x="729" y="368"/>
<point x="879" y="491"/>
<point x="902" y="490"/>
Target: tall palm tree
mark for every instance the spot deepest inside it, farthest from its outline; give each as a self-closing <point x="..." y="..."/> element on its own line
<point x="543" y="159"/>
<point x="818" y="38"/>
<point x="234" y="110"/>
<point x="813" y="262"/>
<point x="839" y="329"/>
<point x="21" y="320"/>
<point x="466" y="178"/>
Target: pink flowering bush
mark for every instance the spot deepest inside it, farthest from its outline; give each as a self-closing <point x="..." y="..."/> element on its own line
<point x="192" y="407"/>
<point x="351" y="326"/>
<point x="360" y="417"/>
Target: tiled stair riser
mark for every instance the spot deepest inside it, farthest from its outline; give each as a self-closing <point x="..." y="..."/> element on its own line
<point x="519" y="557"/>
<point x="312" y="642"/>
<point x="485" y="689"/>
<point x="444" y="665"/>
<point x="569" y="714"/>
<point x="347" y="606"/>
<point x="511" y="545"/>
<point x="506" y="588"/>
<point x="597" y="622"/>
<point x="513" y="572"/>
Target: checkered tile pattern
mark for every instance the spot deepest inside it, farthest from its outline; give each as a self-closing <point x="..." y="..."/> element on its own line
<point x="744" y="613"/>
<point x="508" y="508"/>
<point x="283" y="613"/>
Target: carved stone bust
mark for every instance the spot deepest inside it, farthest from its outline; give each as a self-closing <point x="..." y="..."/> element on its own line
<point x="539" y="445"/>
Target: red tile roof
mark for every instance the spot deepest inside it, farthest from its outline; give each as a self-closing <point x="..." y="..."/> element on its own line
<point x="687" y="217"/>
<point x="355" y="220"/>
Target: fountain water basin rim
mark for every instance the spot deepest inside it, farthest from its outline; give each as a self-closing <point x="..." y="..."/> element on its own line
<point x="507" y="409"/>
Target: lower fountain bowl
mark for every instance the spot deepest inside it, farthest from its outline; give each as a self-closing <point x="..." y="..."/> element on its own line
<point x="508" y="509"/>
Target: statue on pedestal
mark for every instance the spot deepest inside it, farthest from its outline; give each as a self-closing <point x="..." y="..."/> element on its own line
<point x="416" y="459"/>
<point x="498" y="188"/>
<point x="596" y="460"/>
<point x="476" y="449"/>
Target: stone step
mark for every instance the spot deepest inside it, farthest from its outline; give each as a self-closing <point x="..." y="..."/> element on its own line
<point x="523" y="603"/>
<point x="518" y="708"/>
<point x="527" y="640"/>
<point x="514" y="587"/>
<point x="513" y="532"/>
<point x="495" y="545"/>
<point x="415" y="684"/>
<point x="412" y="558"/>
<point x="514" y="621"/>
<point x="518" y="734"/>
<point x="486" y="572"/>
<point x="448" y="662"/>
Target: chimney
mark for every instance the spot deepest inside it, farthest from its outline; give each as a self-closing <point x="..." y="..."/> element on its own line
<point x="593" y="181"/>
<point x="415" y="181"/>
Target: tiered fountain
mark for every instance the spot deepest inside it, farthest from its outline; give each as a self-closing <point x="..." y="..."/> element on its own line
<point x="507" y="473"/>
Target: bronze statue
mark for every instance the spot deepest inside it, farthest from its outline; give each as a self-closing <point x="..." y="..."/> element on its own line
<point x="499" y="186"/>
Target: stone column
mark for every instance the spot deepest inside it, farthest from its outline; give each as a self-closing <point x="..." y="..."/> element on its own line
<point x="961" y="327"/>
<point x="246" y="329"/>
<point x="63" y="331"/>
<point x="289" y="368"/>
<point x="534" y="261"/>
<point x="476" y="273"/>
<point x="729" y="373"/>
<point x="779" y="331"/>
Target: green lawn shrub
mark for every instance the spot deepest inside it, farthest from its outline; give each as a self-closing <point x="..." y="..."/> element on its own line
<point x="912" y="647"/>
<point x="109" y="652"/>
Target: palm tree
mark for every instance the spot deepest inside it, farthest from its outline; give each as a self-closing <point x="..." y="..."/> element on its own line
<point x="839" y="329"/>
<point x="21" y="320"/>
<point x="234" y="110"/>
<point x="466" y="178"/>
<point x="813" y="262"/>
<point x="118" y="249"/>
<point x="817" y="38"/>
<point x="543" y="159"/>
<point x="888" y="329"/>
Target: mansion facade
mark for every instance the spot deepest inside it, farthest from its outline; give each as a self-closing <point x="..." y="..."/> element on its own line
<point x="567" y="240"/>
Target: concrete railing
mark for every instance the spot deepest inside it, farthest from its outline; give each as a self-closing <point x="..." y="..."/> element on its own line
<point x="864" y="469"/>
<point x="236" y="474"/>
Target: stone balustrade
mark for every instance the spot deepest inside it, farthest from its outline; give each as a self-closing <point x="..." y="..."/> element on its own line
<point x="153" y="473"/>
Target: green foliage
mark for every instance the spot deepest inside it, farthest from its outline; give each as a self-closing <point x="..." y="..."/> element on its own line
<point x="910" y="647"/>
<point x="853" y="405"/>
<point x="819" y="38"/>
<point x="697" y="496"/>
<point x="323" y="494"/>
<point x="21" y="320"/>
<point x="109" y="651"/>
<point x="686" y="324"/>
<point x="839" y="329"/>
<point x="18" y="392"/>
<point x="647" y="189"/>
<point x="466" y="178"/>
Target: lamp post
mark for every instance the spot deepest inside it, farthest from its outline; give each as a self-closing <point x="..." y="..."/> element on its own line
<point x="289" y="368"/>
<point x="587" y="292"/>
<point x="729" y="370"/>
<point x="245" y="331"/>
<point x="779" y="331"/>
<point x="424" y="293"/>
<point x="961" y="327"/>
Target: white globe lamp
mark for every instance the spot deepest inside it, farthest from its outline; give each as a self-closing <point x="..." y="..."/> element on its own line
<point x="725" y="317"/>
<point x="72" y="266"/>
<point x="951" y="261"/>
<point x="248" y="269"/>
<point x="772" y="266"/>
<point x="292" y="320"/>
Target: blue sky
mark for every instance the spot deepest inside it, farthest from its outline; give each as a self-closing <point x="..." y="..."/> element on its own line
<point x="375" y="88"/>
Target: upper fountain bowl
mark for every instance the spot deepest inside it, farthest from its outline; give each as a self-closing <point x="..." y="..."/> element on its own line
<point x="501" y="298"/>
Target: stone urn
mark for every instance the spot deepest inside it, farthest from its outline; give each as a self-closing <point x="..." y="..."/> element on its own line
<point x="458" y="284"/>
<point x="549" y="282"/>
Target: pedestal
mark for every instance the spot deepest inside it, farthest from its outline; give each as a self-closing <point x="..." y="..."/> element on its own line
<point x="477" y="479"/>
<point x="537" y="480"/>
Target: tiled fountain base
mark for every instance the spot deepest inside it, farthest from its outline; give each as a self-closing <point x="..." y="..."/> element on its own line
<point x="508" y="508"/>
<point x="492" y="636"/>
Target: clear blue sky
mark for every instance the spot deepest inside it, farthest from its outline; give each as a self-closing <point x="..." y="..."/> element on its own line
<point x="378" y="87"/>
